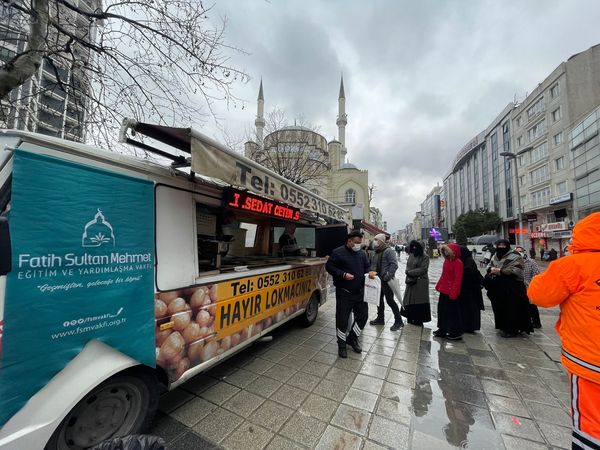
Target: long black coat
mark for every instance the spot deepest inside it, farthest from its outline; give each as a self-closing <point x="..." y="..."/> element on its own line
<point x="471" y="300"/>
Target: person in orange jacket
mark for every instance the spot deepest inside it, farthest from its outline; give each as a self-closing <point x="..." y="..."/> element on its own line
<point x="573" y="283"/>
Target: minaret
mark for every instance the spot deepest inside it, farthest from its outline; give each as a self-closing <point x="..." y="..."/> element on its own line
<point x="260" y="115"/>
<point x="342" y="118"/>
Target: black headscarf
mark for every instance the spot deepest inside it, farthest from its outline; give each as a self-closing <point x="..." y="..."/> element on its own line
<point x="500" y="252"/>
<point x="415" y="248"/>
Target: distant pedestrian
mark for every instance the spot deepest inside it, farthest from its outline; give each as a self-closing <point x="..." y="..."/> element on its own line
<point x="470" y="299"/>
<point x="532" y="253"/>
<point x="449" y="319"/>
<point x="385" y="263"/>
<point x="416" y="296"/>
<point x="348" y="265"/>
<point x="531" y="270"/>
<point x="552" y="255"/>
<point x="506" y="290"/>
<point x="573" y="283"/>
<point x="542" y="251"/>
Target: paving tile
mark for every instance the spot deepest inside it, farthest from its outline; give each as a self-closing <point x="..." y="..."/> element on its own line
<point x="217" y="425"/>
<point x="316" y="368"/>
<point x="198" y="384"/>
<point x="303" y="429"/>
<point x="325" y="358"/>
<point x="259" y="366"/>
<point x="401" y="378"/>
<point x="263" y="386"/>
<point x="191" y="440"/>
<point x="380" y="360"/>
<point x="373" y="370"/>
<point x="243" y="403"/>
<point x="349" y="364"/>
<point x="404" y="366"/>
<point x="194" y="411"/>
<point x="497" y="387"/>
<point x="393" y="410"/>
<point x="293" y="361"/>
<point x="367" y="383"/>
<point x="361" y="399"/>
<point x="537" y="394"/>
<point x="331" y="389"/>
<point x="271" y="415"/>
<point x="247" y="436"/>
<point x="220" y="393"/>
<point x="335" y="438"/>
<point x="341" y="376"/>
<point x="290" y="396"/>
<point x="281" y="443"/>
<point x="515" y="443"/>
<point x="517" y="426"/>
<point x="173" y="400"/>
<point x="319" y="407"/>
<point x="241" y="378"/>
<point x="304" y="381"/>
<point x="508" y="405"/>
<point x="280" y="373"/>
<point x="388" y="433"/>
<point x="550" y="414"/>
<point x="273" y="355"/>
<point x="397" y="392"/>
<point x="424" y="441"/>
<point x="352" y="419"/>
<point x="555" y="435"/>
<point x="167" y="428"/>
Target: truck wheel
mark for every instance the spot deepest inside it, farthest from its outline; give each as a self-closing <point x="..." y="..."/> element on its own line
<point x="122" y="405"/>
<point x="312" y="310"/>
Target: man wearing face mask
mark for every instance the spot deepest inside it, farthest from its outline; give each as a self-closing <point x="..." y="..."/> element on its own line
<point x="506" y="290"/>
<point x="348" y="265"/>
<point x="385" y="263"/>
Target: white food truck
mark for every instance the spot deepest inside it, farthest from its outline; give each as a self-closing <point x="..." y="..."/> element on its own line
<point x="121" y="278"/>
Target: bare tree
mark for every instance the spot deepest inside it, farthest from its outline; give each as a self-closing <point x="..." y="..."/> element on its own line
<point x="372" y="190"/>
<point x="297" y="152"/>
<point x="161" y="61"/>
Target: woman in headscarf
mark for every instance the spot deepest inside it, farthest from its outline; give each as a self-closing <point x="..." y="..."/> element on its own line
<point x="470" y="300"/>
<point x="506" y="290"/>
<point x="415" y="303"/>
<point x="449" y="319"/>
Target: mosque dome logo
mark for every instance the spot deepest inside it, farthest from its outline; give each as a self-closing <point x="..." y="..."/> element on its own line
<point x="98" y="232"/>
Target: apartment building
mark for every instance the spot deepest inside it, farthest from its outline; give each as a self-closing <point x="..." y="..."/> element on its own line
<point x="551" y="135"/>
<point x="47" y="103"/>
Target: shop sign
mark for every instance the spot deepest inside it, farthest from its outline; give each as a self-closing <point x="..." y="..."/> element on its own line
<point x="538" y="235"/>
<point x="561" y="198"/>
<point x="562" y="234"/>
<point x="554" y="226"/>
<point x="245" y="201"/>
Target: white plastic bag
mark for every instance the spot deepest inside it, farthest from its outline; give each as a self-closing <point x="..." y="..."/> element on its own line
<point x="372" y="289"/>
<point x="395" y="287"/>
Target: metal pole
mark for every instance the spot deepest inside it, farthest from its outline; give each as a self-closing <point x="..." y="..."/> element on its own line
<point x="515" y="159"/>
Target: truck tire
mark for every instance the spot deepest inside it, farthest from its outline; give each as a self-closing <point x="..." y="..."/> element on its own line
<point x="312" y="310"/>
<point x="122" y="405"/>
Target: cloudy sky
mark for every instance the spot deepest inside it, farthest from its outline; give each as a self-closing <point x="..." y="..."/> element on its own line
<point x="422" y="77"/>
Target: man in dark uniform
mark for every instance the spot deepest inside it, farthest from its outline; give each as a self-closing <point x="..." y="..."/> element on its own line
<point x="348" y="265"/>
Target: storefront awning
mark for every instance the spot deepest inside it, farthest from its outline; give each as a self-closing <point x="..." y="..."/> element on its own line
<point x="212" y="159"/>
<point x="373" y="229"/>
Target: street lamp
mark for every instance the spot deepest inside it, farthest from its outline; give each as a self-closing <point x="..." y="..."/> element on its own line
<point x="511" y="155"/>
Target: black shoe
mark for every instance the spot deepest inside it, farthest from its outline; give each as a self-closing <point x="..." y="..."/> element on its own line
<point x="342" y="352"/>
<point x="439" y="333"/>
<point x="504" y="334"/>
<point x="537" y="325"/>
<point x="355" y="345"/>
<point x="377" y="321"/>
<point x="397" y="325"/>
<point x="456" y="337"/>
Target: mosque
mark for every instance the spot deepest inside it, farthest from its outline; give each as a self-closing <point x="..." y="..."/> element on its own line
<point x="340" y="182"/>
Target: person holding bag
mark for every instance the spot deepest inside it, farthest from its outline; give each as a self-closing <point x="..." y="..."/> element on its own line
<point x="416" y="307"/>
<point x="385" y="263"/>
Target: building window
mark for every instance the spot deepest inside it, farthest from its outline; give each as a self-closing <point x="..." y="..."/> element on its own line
<point x="536" y="108"/>
<point x="350" y="196"/>
<point x="560" y="163"/>
<point x="522" y="160"/>
<point x="518" y="121"/>
<point x="539" y="175"/>
<point x="519" y="141"/>
<point x="561" y="188"/>
<point x="556" y="115"/>
<point x="536" y="131"/>
<point x="554" y="91"/>
<point x="521" y="180"/>
<point x="539" y="153"/>
<point x="523" y="201"/>
<point x="540" y="198"/>
<point x="558" y="139"/>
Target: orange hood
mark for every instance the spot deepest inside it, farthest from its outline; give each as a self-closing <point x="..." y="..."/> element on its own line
<point x="586" y="235"/>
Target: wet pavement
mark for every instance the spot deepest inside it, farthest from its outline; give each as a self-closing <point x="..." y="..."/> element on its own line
<point x="407" y="390"/>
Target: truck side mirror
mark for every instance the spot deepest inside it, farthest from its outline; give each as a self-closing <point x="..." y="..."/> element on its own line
<point x="5" y="247"/>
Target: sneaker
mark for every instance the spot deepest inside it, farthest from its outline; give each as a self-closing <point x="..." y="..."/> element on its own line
<point x="439" y="333"/>
<point x="377" y="321"/>
<point x="355" y="345"/>
<point x="457" y="337"/>
<point x="396" y="326"/>
<point x="342" y="352"/>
